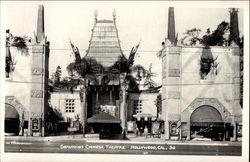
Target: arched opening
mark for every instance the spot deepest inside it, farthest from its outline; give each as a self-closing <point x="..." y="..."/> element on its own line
<point x="207" y="124"/>
<point x="12" y="121"/>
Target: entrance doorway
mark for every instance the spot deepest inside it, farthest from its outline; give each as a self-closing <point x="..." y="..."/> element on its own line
<point x="12" y="122"/>
<point x="207" y="124"/>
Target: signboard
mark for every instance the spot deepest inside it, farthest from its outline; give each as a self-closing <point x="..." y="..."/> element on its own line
<point x="156" y="128"/>
<point x="131" y="126"/>
<point x="72" y="129"/>
<point x="76" y="124"/>
<point x="110" y="109"/>
<point x="35" y="125"/>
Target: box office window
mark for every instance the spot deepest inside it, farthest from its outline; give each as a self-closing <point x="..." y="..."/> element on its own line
<point x="70" y="105"/>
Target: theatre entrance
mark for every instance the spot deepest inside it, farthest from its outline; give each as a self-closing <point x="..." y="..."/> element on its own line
<point x="12" y="121"/>
<point x="207" y="124"/>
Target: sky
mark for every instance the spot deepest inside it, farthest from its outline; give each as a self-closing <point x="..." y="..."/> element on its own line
<point x="144" y="22"/>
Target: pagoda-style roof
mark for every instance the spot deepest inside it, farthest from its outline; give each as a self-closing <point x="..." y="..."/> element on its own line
<point x="104" y="45"/>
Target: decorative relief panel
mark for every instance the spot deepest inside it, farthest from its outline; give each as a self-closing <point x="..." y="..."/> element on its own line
<point x="36" y="93"/>
<point x="35" y="115"/>
<point x="173" y="72"/>
<point x="174" y="53"/>
<point x="173" y="95"/>
<point x="11" y="100"/>
<point x="207" y="101"/>
<point x="37" y="49"/>
<point x="37" y="71"/>
<point x="173" y="50"/>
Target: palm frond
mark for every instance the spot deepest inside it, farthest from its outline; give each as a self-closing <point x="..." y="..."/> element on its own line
<point x="20" y="44"/>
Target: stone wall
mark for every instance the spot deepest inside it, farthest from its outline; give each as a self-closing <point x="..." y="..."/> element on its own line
<point x="18" y="83"/>
<point x="148" y="104"/>
<point x="58" y="101"/>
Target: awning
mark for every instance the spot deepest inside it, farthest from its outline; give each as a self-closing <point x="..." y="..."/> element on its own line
<point x="144" y="116"/>
<point x="205" y="114"/>
<point x="11" y="112"/>
<point x="208" y="124"/>
<point x="104" y="118"/>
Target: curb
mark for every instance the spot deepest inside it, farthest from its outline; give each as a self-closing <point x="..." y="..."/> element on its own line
<point x="79" y="137"/>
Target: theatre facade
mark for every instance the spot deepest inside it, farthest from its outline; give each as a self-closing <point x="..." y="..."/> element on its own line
<point x="200" y="90"/>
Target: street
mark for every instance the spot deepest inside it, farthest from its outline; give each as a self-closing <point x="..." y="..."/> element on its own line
<point x="121" y="147"/>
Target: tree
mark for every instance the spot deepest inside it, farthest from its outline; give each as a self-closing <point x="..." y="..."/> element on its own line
<point x="58" y="75"/>
<point x="14" y="41"/>
<point x="148" y="78"/>
<point x="158" y="104"/>
<point x="191" y="37"/>
<point x="54" y="115"/>
<point x="216" y="38"/>
<point x="89" y="67"/>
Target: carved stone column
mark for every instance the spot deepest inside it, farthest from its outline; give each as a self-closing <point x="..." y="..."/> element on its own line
<point x="123" y="109"/>
<point x="234" y="138"/>
<point x="83" y="115"/>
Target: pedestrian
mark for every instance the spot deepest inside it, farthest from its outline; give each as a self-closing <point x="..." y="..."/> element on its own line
<point x="141" y="131"/>
<point x="136" y="131"/>
<point x="55" y="129"/>
<point x="146" y="131"/>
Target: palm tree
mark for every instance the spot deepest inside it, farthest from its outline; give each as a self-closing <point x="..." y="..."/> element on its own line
<point x="88" y="68"/>
<point x="20" y="44"/>
<point x="148" y="78"/>
<point x="16" y="41"/>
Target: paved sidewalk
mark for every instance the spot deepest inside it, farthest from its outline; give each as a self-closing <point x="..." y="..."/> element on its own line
<point x="131" y="139"/>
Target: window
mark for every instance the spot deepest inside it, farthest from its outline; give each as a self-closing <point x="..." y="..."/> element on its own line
<point x="70" y="105"/>
<point x="137" y="105"/>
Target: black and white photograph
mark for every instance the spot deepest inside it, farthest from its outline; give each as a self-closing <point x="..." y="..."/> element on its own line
<point x="124" y="81"/>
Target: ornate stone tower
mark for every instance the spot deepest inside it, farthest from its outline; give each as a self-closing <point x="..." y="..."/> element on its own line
<point x="39" y="78"/>
<point x="171" y="77"/>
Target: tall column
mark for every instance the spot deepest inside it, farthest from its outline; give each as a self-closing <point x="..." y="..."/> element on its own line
<point x="188" y="131"/>
<point x="39" y="77"/>
<point x="234" y="131"/>
<point x="83" y="116"/>
<point x="171" y="93"/>
<point x="110" y="97"/>
<point x="123" y="112"/>
<point x="97" y="96"/>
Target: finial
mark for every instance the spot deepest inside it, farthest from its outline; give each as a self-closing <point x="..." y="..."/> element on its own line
<point x="114" y="13"/>
<point x="96" y="14"/>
